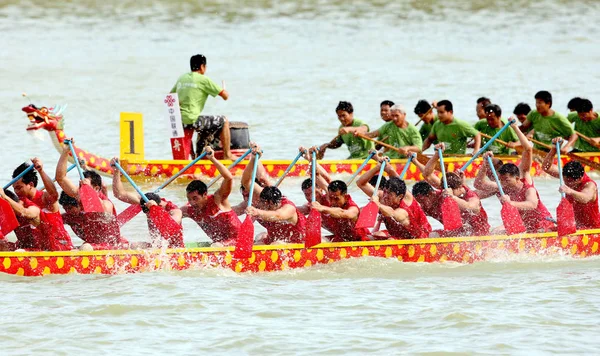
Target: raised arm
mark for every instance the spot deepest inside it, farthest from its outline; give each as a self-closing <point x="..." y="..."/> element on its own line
<point x="548" y="164"/>
<point x="61" y="174"/>
<point x="485" y="187"/>
<point x="50" y="196"/>
<point x="526" y="158"/>
<point x="428" y="169"/>
<point x="119" y="191"/>
<point x="224" y="190"/>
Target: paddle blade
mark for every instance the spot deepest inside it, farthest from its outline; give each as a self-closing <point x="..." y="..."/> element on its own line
<point x="243" y="246"/>
<point x="451" y="214"/>
<point x="126" y="215"/>
<point x="168" y="228"/>
<point x="513" y="223"/>
<point x="313" y="229"/>
<point x="565" y="218"/>
<point x="367" y="216"/>
<point x="8" y="219"/>
<point x="90" y="201"/>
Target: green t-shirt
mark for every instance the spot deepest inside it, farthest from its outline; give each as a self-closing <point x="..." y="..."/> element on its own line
<point x="572" y="116"/>
<point x="589" y="129"/>
<point x="399" y="137"/>
<point x="193" y="89"/>
<point x="454" y="135"/>
<point x="548" y="127"/>
<point x="425" y="129"/>
<point x="507" y="136"/>
<point x="359" y="147"/>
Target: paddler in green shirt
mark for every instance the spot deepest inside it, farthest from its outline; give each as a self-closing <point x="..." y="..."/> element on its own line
<point x="588" y="124"/>
<point x="547" y="123"/>
<point x="384" y="112"/>
<point x="491" y="125"/>
<point x="359" y="147"/>
<point x="402" y="134"/>
<point x="453" y="132"/>
<point x="425" y="112"/>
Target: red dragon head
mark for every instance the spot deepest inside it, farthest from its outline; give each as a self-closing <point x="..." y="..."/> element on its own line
<point x="43" y="118"/>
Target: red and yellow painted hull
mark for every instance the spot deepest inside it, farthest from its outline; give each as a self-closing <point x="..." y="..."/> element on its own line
<point x="283" y="257"/>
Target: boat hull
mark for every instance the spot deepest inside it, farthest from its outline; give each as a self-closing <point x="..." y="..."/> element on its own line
<point x="279" y="258"/>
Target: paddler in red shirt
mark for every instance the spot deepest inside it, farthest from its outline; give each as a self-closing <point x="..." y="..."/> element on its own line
<point x="581" y="191"/>
<point x="27" y="233"/>
<point x="99" y="231"/>
<point x="518" y="188"/>
<point x="400" y="212"/>
<point x="212" y="212"/>
<point x="283" y="221"/>
<point x="473" y="215"/>
<point x="174" y="240"/>
<point x="53" y="236"/>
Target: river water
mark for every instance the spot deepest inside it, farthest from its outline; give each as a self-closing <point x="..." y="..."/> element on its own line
<point x="286" y="65"/>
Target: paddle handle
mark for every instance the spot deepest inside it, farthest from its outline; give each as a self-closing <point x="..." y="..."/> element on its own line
<point x="559" y="164"/>
<point x="361" y="167"/>
<point x="487" y="144"/>
<point x="408" y="161"/>
<point x="137" y="189"/>
<point x="175" y="176"/>
<point x="442" y="168"/>
<point x="289" y="168"/>
<point x="587" y="139"/>
<point x="68" y="142"/>
<point x="379" y="177"/>
<point x="314" y="176"/>
<point x="491" y="164"/>
<point x="15" y="179"/>
<point x="252" y="182"/>
<point x="214" y="180"/>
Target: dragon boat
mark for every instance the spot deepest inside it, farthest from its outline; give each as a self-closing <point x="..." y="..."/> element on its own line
<point x="142" y="169"/>
<point x="581" y="244"/>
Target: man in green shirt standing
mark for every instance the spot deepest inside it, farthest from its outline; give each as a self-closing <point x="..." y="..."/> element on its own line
<point x="453" y="132"/>
<point x="402" y="134"/>
<point x="491" y="125"/>
<point x="588" y="124"/>
<point x="358" y="147"/>
<point x="547" y="123"/>
<point x="193" y="89"/>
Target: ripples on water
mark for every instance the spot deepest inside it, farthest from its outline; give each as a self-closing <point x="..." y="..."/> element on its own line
<point x="287" y="64"/>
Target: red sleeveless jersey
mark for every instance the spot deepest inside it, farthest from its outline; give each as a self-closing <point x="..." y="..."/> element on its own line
<point x="475" y="224"/>
<point x="417" y="228"/>
<point x="534" y="219"/>
<point x="282" y="230"/>
<point x="175" y="238"/>
<point x="435" y="211"/>
<point x="218" y="225"/>
<point x="587" y="215"/>
<point x="53" y="235"/>
<point x="343" y="229"/>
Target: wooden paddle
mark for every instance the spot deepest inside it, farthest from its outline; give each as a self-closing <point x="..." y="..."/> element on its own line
<point x="134" y="209"/>
<point x="157" y="215"/>
<point x="487" y="144"/>
<point x="513" y="223"/>
<point x="587" y="139"/>
<point x="420" y="156"/>
<point x="8" y="219"/>
<point x="289" y="168"/>
<point x="573" y="156"/>
<point x="313" y="222"/>
<point x="90" y="201"/>
<point x="450" y="211"/>
<point x="215" y="179"/>
<point x="243" y="246"/>
<point x="353" y="176"/>
<point x="565" y="216"/>
<point x="368" y="214"/>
